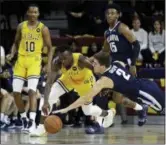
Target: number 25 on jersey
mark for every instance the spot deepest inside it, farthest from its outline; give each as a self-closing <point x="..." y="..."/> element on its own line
<point x="30" y="46"/>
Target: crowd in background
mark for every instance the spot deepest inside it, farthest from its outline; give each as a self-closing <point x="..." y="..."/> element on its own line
<point x="87" y="19"/>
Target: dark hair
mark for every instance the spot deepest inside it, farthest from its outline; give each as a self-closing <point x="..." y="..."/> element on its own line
<point x="136" y="18"/>
<point x="33" y="5"/>
<point x="153" y="29"/>
<point x="103" y="58"/>
<point x="63" y="48"/>
<point x="113" y="6"/>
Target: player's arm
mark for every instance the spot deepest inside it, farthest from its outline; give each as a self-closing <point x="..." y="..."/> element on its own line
<point x="51" y="78"/>
<point x="47" y="42"/>
<point x="84" y="62"/>
<point x="102" y="83"/>
<point x="106" y="46"/>
<point x="124" y="29"/>
<point x="16" y="41"/>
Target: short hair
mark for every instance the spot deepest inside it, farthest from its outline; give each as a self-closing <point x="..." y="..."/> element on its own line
<point x="103" y="58"/>
<point x="63" y="48"/>
<point x="113" y="6"/>
<point x="33" y="5"/>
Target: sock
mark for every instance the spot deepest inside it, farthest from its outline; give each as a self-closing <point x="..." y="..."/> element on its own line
<point x="138" y="107"/>
<point x="14" y="118"/>
<point x="23" y="115"/>
<point x="6" y="119"/>
<point x="92" y="110"/>
<point x="32" y="115"/>
<point x="2" y="116"/>
<point x="104" y="113"/>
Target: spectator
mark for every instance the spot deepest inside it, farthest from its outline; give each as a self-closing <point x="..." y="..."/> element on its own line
<point x="93" y="48"/>
<point x="142" y="37"/>
<point x="78" y="20"/>
<point x="156" y="42"/>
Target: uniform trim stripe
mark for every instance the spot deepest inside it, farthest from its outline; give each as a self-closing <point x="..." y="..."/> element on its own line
<point x="33" y="77"/>
<point x="62" y="85"/>
<point x="87" y="103"/>
<point x="18" y="77"/>
<point x="151" y="99"/>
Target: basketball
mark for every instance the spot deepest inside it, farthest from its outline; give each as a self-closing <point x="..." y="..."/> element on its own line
<point x="53" y="124"/>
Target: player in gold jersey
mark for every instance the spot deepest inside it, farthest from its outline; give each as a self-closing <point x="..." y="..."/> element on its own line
<point x="76" y="73"/>
<point x="30" y="37"/>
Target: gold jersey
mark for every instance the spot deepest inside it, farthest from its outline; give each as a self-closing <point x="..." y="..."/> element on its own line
<point x="31" y="39"/>
<point x="75" y="74"/>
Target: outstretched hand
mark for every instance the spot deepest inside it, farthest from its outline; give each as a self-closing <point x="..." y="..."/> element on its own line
<point x="62" y="111"/>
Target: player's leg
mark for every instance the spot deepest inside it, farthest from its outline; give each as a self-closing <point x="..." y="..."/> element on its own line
<point x="18" y="82"/>
<point x="152" y="95"/>
<point x="33" y="75"/>
<point x="57" y="90"/>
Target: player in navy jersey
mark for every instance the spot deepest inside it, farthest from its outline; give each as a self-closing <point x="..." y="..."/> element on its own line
<point x="120" y="42"/>
<point x="115" y="76"/>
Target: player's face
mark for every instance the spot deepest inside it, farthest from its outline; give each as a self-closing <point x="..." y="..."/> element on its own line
<point x="136" y="24"/>
<point x="97" y="66"/>
<point x="33" y="13"/>
<point x="157" y="25"/>
<point x="112" y="15"/>
<point x="66" y="59"/>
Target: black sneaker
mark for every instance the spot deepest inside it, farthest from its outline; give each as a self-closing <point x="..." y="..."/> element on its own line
<point x="142" y="115"/>
<point x="25" y="125"/>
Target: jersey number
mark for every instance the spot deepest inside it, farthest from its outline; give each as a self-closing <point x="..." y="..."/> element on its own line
<point x="113" y="47"/>
<point x="119" y="72"/>
<point x="30" y="46"/>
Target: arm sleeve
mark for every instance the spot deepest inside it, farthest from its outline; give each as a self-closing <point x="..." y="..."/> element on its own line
<point x="150" y="43"/>
<point x="136" y="50"/>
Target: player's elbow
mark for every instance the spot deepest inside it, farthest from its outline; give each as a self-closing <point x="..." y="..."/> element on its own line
<point x="136" y="46"/>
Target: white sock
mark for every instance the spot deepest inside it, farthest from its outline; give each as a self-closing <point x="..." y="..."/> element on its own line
<point x="6" y="119"/>
<point x="138" y="107"/>
<point x="23" y="115"/>
<point x="2" y="116"/>
<point x="14" y="117"/>
<point x="32" y="115"/>
<point x="92" y="110"/>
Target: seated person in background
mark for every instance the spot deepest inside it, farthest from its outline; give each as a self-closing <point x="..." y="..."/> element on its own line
<point x="157" y="42"/>
<point x="8" y="107"/>
<point x="142" y="37"/>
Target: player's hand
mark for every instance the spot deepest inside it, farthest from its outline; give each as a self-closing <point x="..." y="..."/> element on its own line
<point x="9" y="57"/>
<point x="62" y="111"/>
<point x="155" y="56"/>
<point x="46" y="108"/>
<point x="133" y="70"/>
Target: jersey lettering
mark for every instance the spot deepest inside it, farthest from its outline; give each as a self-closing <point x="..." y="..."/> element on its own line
<point x="119" y="72"/>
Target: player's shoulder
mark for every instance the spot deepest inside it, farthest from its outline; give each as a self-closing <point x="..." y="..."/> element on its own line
<point x="123" y="26"/>
<point x="20" y="25"/>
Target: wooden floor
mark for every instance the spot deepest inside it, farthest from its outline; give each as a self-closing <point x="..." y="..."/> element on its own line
<point x="129" y="134"/>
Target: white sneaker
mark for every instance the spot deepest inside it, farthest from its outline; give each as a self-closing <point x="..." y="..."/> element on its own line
<point x="108" y="120"/>
<point x="32" y="127"/>
<point x="39" y="131"/>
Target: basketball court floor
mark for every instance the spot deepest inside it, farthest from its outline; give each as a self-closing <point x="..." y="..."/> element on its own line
<point x="129" y="134"/>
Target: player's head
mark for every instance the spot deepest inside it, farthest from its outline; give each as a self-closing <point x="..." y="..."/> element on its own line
<point x="65" y="55"/>
<point x="112" y="13"/>
<point x="33" y="12"/>
<point x="101" y="62"/>
<point x="136" y="23"/>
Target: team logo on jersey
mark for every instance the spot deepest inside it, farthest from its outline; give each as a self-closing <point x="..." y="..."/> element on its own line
<point x="74" y="68"/>
<point x="38" y="30"/>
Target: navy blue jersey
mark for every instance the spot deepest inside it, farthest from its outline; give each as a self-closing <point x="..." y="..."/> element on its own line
<point x="120" y="47"/>
<point x="134" y="88"/>
<point x="124" y="82"/>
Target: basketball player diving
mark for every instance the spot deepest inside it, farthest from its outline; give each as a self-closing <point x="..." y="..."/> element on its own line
<point x="76" y="73"/>
<point x="30" y="38"/>
<point x="115" y="76"/>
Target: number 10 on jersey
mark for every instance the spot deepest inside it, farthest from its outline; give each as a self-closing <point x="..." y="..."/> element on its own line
<point x="30" y="46"/>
